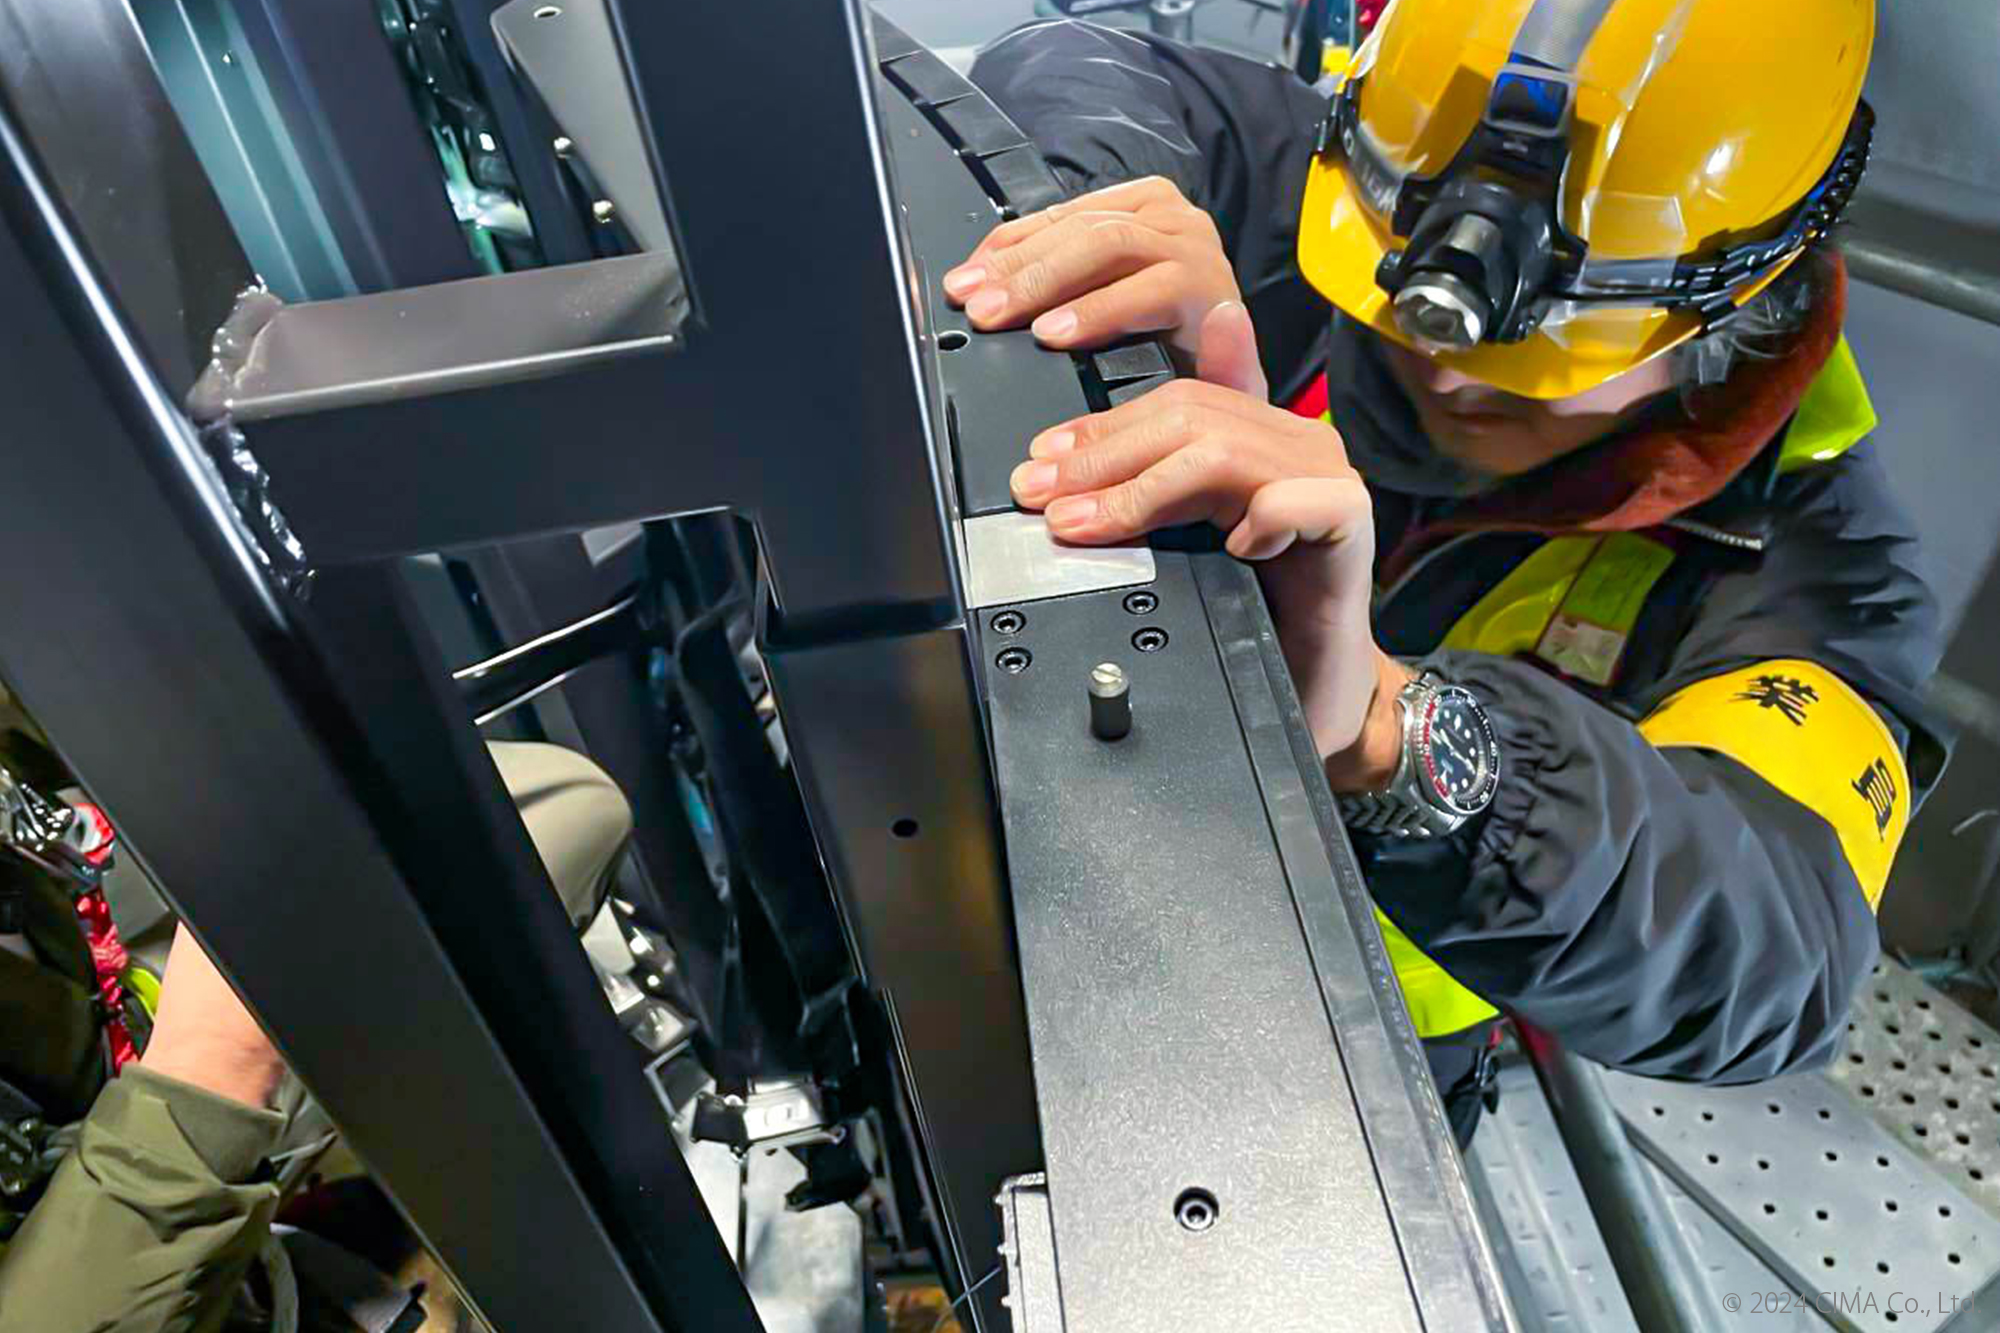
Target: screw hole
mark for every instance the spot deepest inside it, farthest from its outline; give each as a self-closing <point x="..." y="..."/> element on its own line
<point x="1890" y="1205"/>
<point x="1881" y="1267"/>
<point x="1952" y="1258"/>
<point x="1827" y="1259"/>
<point x="1882" y="1161"/>
<point x="1013" y="661"/>
<point x="1820" y="1213"/>
<point x="1944" y="1210"/>
<point x="1150" y="639"/>
<point x="904" y="828"/>
<point x="953" y="340"/>
<point x="1770" y="1210"/>
<point x="1774" y="1108"/>
<point x="1713" y="1160"/>
<point x="1142" y="603"/>
<point x="1196" y="1210"/>
<point x="548" y="11"/>
<point x="1008" y="622"/>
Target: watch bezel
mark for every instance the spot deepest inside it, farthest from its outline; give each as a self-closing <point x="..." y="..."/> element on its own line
<point x="1433" y="791"/>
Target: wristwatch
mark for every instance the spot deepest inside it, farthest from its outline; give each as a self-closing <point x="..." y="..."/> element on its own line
<point x="1448" y="772"/>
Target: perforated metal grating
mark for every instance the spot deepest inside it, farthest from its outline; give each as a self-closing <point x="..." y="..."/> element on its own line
<point x="1559" y="1274"/>
<point x="1929" y="1072"/>
<point x="1822" y="1193"/>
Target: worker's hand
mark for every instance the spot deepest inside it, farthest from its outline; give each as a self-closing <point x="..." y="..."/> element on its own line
<point x="1134" y="258"/>
<point x="1213" y="450"/>
<point x="203" y="1035"/>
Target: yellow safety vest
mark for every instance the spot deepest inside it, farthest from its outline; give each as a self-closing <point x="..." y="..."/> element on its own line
<point x="1573" y="601"/>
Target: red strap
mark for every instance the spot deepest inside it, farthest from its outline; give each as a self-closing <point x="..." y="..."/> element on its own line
<point x="1313" y="401"/>
<point x="107" y="951"/>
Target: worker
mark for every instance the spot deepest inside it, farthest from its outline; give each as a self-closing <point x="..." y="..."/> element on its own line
<point x="161" y="1199"/>
<point x="1610" y="634"/>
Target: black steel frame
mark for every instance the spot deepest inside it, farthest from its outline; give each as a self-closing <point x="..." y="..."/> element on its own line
<point x="182" y="677"/>
<point x="380" y="774"/>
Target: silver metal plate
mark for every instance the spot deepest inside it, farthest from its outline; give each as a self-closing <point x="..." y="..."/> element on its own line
<point x="1558" y="1271"/>
<point x="1034" y="1298"/>
<point x="1928" y="1072"/>
<point x="1011" y="558"/>
<point x="1846" y="1216"/>
<point x="1726" y="1267"/>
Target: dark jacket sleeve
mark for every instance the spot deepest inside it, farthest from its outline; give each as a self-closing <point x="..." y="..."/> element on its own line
<point x="151" y="1223"/>
<point x="1669" y="910"/>
<point x="1235" y="136"/>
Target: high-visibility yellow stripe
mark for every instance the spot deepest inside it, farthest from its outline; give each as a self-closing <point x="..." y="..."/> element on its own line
<point x="1439" y="1005"/>
<point x="1806" y="732"/>
<point x="1835" y="415"/>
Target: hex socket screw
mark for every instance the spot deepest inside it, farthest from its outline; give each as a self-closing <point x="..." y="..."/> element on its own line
<point x="1142" y="603"/>
<point x="1150" y="639"/>
<point x="1008" y="622"/>
<point x="1110" y="702"/>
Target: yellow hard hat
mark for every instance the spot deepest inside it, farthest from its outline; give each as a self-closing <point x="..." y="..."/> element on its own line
<point x="1544" y="194"/>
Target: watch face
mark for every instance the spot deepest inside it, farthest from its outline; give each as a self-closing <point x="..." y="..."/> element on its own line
<point x="1460" y="753"/>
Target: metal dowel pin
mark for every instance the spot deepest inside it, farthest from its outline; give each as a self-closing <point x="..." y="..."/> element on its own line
<point x="1110" y="702"/>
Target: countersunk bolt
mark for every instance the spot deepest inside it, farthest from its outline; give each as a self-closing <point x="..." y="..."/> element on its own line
<point x="1013" y="660"/>
<point x="1142" y="603"/>
<point x="1110" y="702"/>
<point x="603" y="210"/>
<point x="1009" y="622"/>
<point x="1150" y="639"/>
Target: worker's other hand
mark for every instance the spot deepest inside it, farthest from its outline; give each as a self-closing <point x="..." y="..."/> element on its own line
<point x="1133" y="258"/>
<point x="1213" y="450"/>
<point x="203" y="1035"/>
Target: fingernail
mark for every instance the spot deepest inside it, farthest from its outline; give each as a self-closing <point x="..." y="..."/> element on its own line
<point x="1055" y="324"/>
<point x="1071" y="510"/>
<point x="1032" y="479"/>
<point x="987" y="304"/>
<point x="963" y="279"/>
<point x="1055" y="442"/>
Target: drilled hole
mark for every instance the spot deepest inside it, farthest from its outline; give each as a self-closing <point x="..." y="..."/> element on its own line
<point x="1763" y="1164"/>
<point x="548" y="11"/>
<point x="1952" y="1258"/>
<point x="1855" y="1058"/>
<point x="1881" y="1267"/>
<point x="1892" y="1029"/>
<point x="1710" y="1115"/>
<point x="1951" y="1103"/>
<point x="1964" y="1140"/>
<point x="1013" y="661"/>
<point x="1832" y="1156"/>
<point x="953" y="340"/>
<point x="1150" y="639"/>
<point x="1713" y="1160"/>
<point x="1825" y="1114"/>
<point x="1944" y="1210"/>
<point x="1659" y="1110"/>
<point x="1890" y="1204"/>
<point x="1976" y="1173"/>
<point x="1008" y="622"/>
<point x="1975" y="1043"/>
<point x="1882" y="1161"/>
<point x="1773" y="1107"/>
<point x="904" y="828"/>
<point x="1899" y="1065"/>
<point x="1921" y="1131"/>
<point x="1142" y="603"/>
<point x="1944" y="1067"/>
<point x="1934" y="1034"/>
<point x="1820" y="1213"/>
<point x="1770" y="1210"/>
<point x="1867" y="1089"/>
<point x="1827" y="1259"/>
<point x="1196" y="1210"/>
